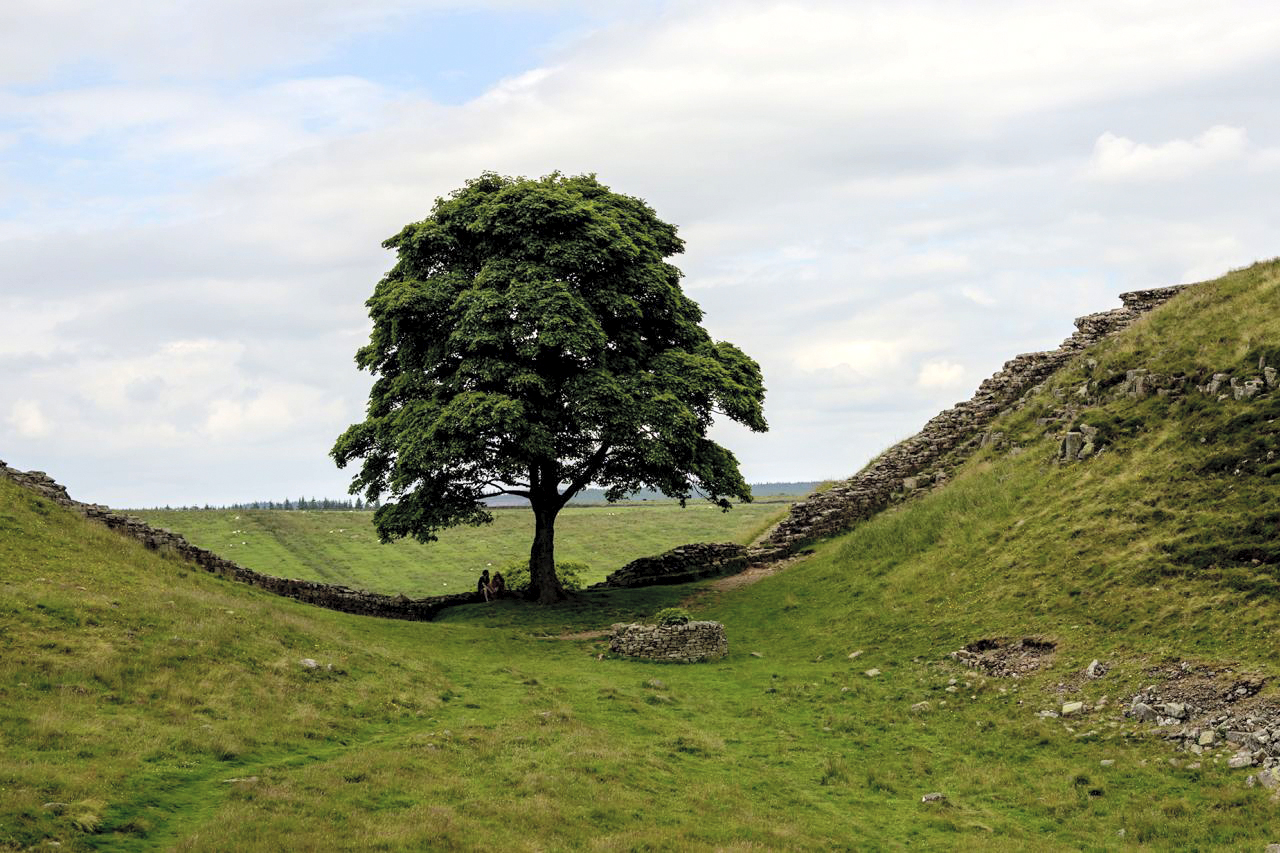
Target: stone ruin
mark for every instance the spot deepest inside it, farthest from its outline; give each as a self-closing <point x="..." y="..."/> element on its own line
<point x="687" y="643"/>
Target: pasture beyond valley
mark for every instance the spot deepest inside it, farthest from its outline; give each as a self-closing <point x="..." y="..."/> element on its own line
<point x="341" y="547"/>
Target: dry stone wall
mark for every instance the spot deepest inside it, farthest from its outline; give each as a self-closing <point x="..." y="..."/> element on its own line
<point x="332" y="596"/>
<point x="680" y="565"/>
<point x="687" y="643"/>
<point x="926" y="458"/>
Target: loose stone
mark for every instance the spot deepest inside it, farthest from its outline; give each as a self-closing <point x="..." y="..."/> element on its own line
<point x="1144" y="712"/>
<point x="1243" y="758"/>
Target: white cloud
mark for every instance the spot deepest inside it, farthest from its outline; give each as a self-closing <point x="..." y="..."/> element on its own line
<point x="268" y="413"/>
<point x="864" y="187"/>
<point x="978" y="295"/>
<point x="863" y="357"/>
<point x="186" y="372"/>
<point x="1120" y="158"/>
<point x="28" y="419"/>
<point x="934" y="263"/>
<point x="28" y="324"/>
<point x="941" y="374"/>
<point x="1200" y="251"/>
<point x="244" y="128"/>
<point x="198" y="38"/>
<point x="198" y="393"/>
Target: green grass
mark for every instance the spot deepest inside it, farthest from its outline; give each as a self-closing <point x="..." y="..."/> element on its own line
<point x="341" y="547"/>
<point x="132" y="688"/>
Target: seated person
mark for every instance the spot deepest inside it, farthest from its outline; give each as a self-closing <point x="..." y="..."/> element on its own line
<point x="482" y="585"/>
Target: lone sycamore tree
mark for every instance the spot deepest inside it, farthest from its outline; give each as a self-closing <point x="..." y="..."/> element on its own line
<point x="530" y="340"/>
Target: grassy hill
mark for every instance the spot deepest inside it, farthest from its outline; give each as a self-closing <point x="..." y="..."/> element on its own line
<point x="342" y="547"/>
<point x="145" y="705"/>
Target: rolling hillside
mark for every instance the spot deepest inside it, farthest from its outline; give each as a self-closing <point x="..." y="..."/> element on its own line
<point x="342" y="547"/>
<point x="144" y="705"/>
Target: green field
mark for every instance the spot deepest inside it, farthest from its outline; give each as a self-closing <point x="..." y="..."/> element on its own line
<point x="147" y="705"/>
<point x="341" y="547"/>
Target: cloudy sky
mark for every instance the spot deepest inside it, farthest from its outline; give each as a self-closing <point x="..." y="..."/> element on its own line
<point x="882" y="201"/>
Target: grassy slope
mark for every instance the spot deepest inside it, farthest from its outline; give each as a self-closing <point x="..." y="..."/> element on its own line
<point x="341" y="547"/>
<point x="486" y="730"/>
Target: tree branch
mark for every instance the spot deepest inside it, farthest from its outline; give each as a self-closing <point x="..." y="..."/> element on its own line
<point x="517" y="492"/>
<point x="588" y="471"/>
<point x="499" y="484"/>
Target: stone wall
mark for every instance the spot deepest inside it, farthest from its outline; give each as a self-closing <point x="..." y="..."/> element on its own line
<point x="680" y="565"/>
<point x="688" y="643"/>
<point x="947" y="439"/>
<point x="331" y="596"/>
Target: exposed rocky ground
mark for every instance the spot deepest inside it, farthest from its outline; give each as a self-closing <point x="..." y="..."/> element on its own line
<point x="1006" y="658"/>
<point x="1082" y="440"/>
<point x="1209" y="712"/>
<point x="1214" y="712"/>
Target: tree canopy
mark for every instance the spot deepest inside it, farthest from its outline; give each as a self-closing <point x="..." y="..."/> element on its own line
<point x="532" y="339"/>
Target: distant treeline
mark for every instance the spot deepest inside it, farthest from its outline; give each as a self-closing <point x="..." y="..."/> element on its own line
<point x="327" y="504"/>
<point x="586" y="496"/>
<point x="759" y="491"/>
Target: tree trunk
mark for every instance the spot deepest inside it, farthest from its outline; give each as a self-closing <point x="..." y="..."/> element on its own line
<point x="544" y="586"/>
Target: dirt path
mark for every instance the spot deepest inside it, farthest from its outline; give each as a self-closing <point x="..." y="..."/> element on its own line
<point x="717" y="588"/>
<point x="748" y="576"/>
<point x="584" y="635"/>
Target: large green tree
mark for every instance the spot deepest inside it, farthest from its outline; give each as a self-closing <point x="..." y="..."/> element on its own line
<point x="530" y="340"/>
